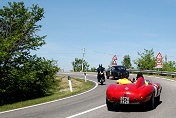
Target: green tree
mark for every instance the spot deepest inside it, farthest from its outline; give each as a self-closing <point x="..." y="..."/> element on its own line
<point x="20" y="72"/>
<point x="77" y="65"/>
<point x="126" y="61"/>
<point x="18" y="33"/>
<point x="93" y="69"/>
<point x="146" y="61"/>
<point x="169" y="66"/>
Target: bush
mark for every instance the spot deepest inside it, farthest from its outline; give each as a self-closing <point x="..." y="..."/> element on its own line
<point x="33" y="79"/>
<point x="23" y="76"/>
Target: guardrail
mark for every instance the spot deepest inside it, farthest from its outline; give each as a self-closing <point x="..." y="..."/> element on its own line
<point x="173" y="74"/>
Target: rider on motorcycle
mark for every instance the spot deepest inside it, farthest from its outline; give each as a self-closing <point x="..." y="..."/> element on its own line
<point x="100" y="74"/>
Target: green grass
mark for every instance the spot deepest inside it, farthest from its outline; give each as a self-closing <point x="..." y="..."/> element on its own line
<point x="161" y="76"/>
<point x="61" y="91"/>
<point x="164" y="76"/>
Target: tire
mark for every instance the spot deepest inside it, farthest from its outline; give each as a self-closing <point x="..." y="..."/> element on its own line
<point x="157" y="99"/>
<point x="128" y="75"/>
<point x="152" y="102"/>
<point x="113" y="77"/>
<point x="109" y="105"/>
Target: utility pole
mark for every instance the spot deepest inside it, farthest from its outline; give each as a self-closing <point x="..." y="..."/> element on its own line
<point x="83" y="59"/>
<point x="166" y="58"/>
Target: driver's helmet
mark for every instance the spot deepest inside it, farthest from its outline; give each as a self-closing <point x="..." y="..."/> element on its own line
<point x="139" y="75"/>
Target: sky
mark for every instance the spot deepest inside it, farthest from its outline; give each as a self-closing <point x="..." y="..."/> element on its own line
<point x="105" y="28"/>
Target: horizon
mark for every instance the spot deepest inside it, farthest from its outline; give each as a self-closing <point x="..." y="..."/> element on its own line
<point x="105" y="29"/>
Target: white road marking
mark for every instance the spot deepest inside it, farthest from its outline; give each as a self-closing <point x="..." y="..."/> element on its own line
<point x="84" y="112"/>
<point x="157" y="77"/>
<point x="96" y="84"/>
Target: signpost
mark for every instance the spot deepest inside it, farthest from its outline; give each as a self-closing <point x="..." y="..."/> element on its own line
<point x="114" y="60"/>
<point x="159" y="63"/>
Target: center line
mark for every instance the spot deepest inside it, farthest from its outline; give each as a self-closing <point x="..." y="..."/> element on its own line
<point x="84" y="112"/>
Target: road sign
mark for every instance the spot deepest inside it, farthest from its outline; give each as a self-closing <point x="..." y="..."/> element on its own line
<point x="159" y="66"/>
<point x="159" y="63"/>
<point x="159" y="56"/>
<point x="114" y="60"/>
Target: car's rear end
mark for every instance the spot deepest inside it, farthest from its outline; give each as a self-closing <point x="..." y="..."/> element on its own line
<point x="128" y="94"/>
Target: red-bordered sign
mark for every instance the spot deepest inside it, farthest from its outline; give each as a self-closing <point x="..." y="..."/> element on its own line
<point x="114" y="63"/>
<point x="159" y="62"/>
<point x="114" y="60"/>
<point x="159" y="56"/>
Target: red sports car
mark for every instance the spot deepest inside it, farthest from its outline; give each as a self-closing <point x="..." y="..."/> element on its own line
<point x="133" y="93"/>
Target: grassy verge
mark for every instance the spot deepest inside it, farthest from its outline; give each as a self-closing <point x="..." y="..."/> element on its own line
<point x="161" y="76"/>
<point x="61" y="91"/>
<point x="164" y="76"/>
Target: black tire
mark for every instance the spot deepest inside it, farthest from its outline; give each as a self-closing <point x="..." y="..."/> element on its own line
<point x="152" y="102"/>
<point x="157" y="99"/>
<point x="113" y="77"/>
<point x="128" y="75"/>
<point x="109" y="105"/>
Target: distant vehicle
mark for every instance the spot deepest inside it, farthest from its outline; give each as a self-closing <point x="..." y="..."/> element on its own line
<point x="117" y="72"/>
<point x="100" y="75"/>
<point x="141" y="92"/>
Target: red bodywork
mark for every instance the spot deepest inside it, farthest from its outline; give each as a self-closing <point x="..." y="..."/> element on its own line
<point x="137" y="92"/>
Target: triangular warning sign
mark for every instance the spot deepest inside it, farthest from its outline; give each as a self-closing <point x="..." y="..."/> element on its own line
<point x="114" y="63"/>
<point x="114" y="58"/>
<point x="159" y="62"/>
<point x="159" y="56"/>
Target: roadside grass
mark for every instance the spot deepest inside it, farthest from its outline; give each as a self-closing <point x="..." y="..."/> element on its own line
<point x="61" y="91"/>
<point x="161" y="76"/>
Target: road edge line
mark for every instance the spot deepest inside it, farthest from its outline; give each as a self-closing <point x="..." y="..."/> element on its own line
<point x="96" y="84"/>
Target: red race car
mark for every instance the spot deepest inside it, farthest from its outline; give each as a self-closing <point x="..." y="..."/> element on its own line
<point x="142" y="92"/>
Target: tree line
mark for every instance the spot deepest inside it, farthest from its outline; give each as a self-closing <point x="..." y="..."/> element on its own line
<point x="146" y="61"/>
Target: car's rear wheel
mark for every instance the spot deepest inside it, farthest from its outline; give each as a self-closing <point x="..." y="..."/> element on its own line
<point x="157" y="99"/>
<point x="113" y="77"/>
<point x="109" y="105"/>
<point x="107" y="76"/>
<point x="152" y="102"/>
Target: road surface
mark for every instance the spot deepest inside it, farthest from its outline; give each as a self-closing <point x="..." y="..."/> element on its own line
<point x="92" y="104"/>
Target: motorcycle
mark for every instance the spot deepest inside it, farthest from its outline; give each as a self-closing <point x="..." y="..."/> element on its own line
<point x="101" y="76"/>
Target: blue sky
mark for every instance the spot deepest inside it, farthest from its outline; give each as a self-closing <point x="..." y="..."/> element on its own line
<point x="105" y="28"/>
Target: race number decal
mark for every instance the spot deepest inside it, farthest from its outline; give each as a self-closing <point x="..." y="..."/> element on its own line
<point x="124" y="100"/>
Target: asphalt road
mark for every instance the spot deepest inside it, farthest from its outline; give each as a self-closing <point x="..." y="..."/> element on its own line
<point x="92" y="104"/>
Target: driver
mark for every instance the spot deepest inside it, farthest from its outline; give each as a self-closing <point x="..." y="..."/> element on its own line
<point x="141" y="75"/>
